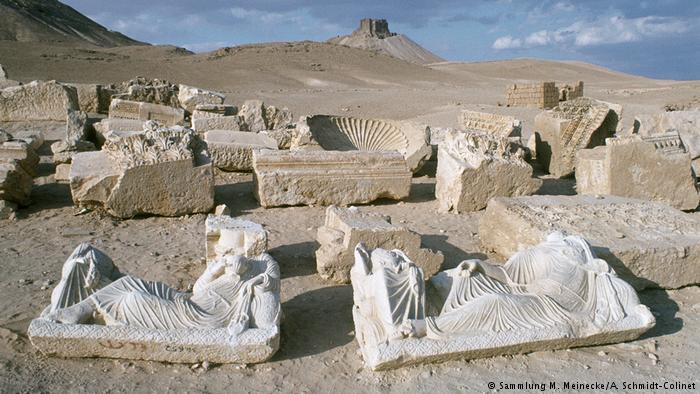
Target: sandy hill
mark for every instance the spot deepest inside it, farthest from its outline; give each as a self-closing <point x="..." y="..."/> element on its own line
<point x="51" y="20"/>
<point x="374" y="35"/>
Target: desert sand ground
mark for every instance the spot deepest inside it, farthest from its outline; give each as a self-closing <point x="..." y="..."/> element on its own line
<point x="318" y="352"/>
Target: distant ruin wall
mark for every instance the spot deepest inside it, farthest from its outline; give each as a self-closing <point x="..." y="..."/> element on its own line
<point x="569" y="92"/>
<point x="374" y="28"/>
<point x="538" y="95"/>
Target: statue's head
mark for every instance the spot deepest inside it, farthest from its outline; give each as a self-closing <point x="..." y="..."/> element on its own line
<point x="236" y="264"/>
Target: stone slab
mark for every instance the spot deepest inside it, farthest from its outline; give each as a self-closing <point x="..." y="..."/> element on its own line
<point x="328" y="177"/>
<point x="125" y="109"/>
<point x="648" y="244"/>
<point x="37" y="101"/>
<point x="233" y="151"/>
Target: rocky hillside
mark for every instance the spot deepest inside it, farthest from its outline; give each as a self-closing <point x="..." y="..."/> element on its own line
<point x="53" y="21"/>
<point x="374" y="34"/>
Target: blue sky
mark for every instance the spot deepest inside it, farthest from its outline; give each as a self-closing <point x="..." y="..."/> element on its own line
<point x="659" y="39"/>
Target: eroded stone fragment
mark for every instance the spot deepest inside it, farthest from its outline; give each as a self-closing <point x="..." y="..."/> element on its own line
<point x="649" y="244"/>
<point x="22" y="153"/>
<point x="166" y="115"/>
<point x="344" y="228"/>
<point x="37" y="100"/>
<point x="162" y="172"/>
<point x="340" y="133"/>
<point x="473" y="167"/>
<point x="685" y="123"/>
<point x="94" y="98"/>
<point x="498" y="125"/>
<point x="541" y="299"/>
<point x="213" y="111"/>
<point x="226" y="235"/>
<point x="231" y="316"/>
<point x="573" y="125"/>
<point x="191" y="96"/>
<point x="655" y="168"/>
<point x="259" y="116"/>
<point x="15" y="183"/>
<point x="328" y="177"/>
<point x="233" y="150"/>
<point x="233" y="123"/>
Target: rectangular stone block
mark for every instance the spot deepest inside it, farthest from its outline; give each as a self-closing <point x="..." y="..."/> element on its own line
<point x="213" y="111"/>
<point x="344" y="228"/>
<point x="655" y="168"/>
<point x="124" y="109"/>
<point x="329" y="177"/>
<point x="648" y="244"/>
<point x="233" y="150"/>
<point x="37" y="101"/>
<point x="233" y="123"/>
<point x="498" y="125"/>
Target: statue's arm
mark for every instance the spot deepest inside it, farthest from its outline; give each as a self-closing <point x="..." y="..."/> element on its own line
<point x="496" y="272"/>
<point x="210" y="274"/>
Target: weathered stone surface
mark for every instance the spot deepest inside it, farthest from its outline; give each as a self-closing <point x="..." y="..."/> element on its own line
<point x="344" y="228"/>
<point x="229" y="236"/>
<point x="21" y="152"/>
<point x="498" y="125"/>
<point x="124" y="109"/>
<point x="282" y="136"/>
<point x="535" y="95"/>
<point x="233" y="123"/>
<point x="3" y="73"/>
<point x="93" y="175"/>
<point x="191" y="96"/>
<point x="232" y="315"/>
<point x="62" y="173"/>
<point x="33" y="138"/>
<point x="7" y="210"/>
<point x="573" y="125"/>
<point x="37" y="101"/>
<point x="340" y="133"/>
<point x="213" y="111"/>
<point x="259" y="116"/>
<point x="154" y="91"/>
<point x="164" y="172"/>
<point x="76" y="126"/>
<point x="233" y="150"/>
<point x="648" y="244"/>
<point x="15" y="183"/>
<point x="655" y="168"/>
<point x="685" y="123"/>
<point x="104" y="127"/>
<point x="541" y="299"/>
<point x="328" y="177"/>
<point x="93" y="98"/>
<point x="473" y="167"/>
<point x="63" y="152"/>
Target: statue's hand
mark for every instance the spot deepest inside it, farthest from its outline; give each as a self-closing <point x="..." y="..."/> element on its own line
<point x="468" y="268"/>
<point x="217" y="267"/>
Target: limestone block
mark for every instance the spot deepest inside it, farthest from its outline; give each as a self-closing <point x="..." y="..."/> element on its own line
<point x="344" y="228"/>
<point x="92" y="175"/>
<point x="283" y="136"/>
<point x="213" y="111"/>
<point x="21" y="152"/>
<point x="63" y="152"/>
<point x="190" y="97"/>
<point x="93" y="98"/>
<point x="76" y="126"/>
<point x="233" y="123"/>
<point x="3" y="73"/>
<point x="106" y="126"/>
<point x="655" y="168"/>
<point x="499" y="125"/>
<point x="685" y="123"/>
<point x="259" y="116"/>
<point x="539" y="300"/>
<point x="328" y="177"/>
<point x="233" y="151"/>
<point x="226" y="235"/>
<point x="62" y="173"/>
<point x="154" y="91"/>
<point x="163" y="172"/>
<point x="124" y="109"/>
<point x="33" y="138"/>
<point x="473" y="167"/>
<point x="37" y="101"/>
<point x="231" y="316"/>
<point x="573" y="125"/>
<point x="7" y="210"/>
<point x="649" y="244"/>
<point x="340" y="133"/>
<point x="15" y="183"/>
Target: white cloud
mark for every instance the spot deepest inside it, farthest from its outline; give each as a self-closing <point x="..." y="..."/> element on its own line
<point x="507" y="42"/>
<point x="269" y="18"/>
<point x="607" y="30"/>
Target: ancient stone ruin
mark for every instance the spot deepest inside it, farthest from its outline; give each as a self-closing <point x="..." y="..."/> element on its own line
<point x="340" y="133"/>
<point x="538" y="300"/>
<point x="18" y="166"/>
<point x="344" y="228"/>
<point x="655" y="168"/>
<point x="37" y="100"/>
<point x="473" y="167"/>
<point x="542" y="95"/>
<point x="498" y="125"/>
<point x="316" y="177"/>
<point x="230" y="236"/>
<point x="374" y="28"/>
<point x="573" y="125"/>
<point x="685" y="123"/>
<point x="233" y="150"/>
<point x="166" y="171"/>
<point x="76" y="139"/>
<point x="231" y="316"/>
<point x="137" y="110"/>
<point x="570" y="92"/>
<point x="648" y="244"/>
